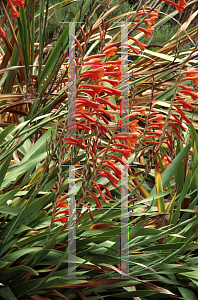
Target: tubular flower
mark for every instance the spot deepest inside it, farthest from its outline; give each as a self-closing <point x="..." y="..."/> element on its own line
<point x="182" y="114"/>
<point x="186" y="88"/>
<point x="178" y="121"/>
<point x="93" y="62"/>
<point x="96" y="199"/>
<point x="65" y="211"/>
<point x="84" y="101"/>
<point x="112" y="91"/>
<point x="194" y="79"/>
<point x="109" y="68"/>
<point x="2" y="33"/>
<point x="114" y="168"/>
<point x="61" y="203"/>
<point x="14" y="11"/>
<point x="148" y="23"/>
<point x="96" y="88"/>
<point x="192" y="94"/>
<point x="125" y="152"/>
<point x="192" y="74"/>
<point x="154" y="13"/>
<point x="182" y="3"/>
<point x="134" y="49"/>
<point x="141" y="45"/>
<point x="90" y="92"/>
<point x="190" y="71"/>
<point x="184" y="103"/>
<point x="19" y="3"/>
<point x="72" y="141"/>
<point x="100" y="192"/>
<point x="106" y="101"/>
<point x="179" y="7"/>
<point x="106" y="47"/>
<point x="117" y="62"/>
<point x="113" y="82"/>
<point x="133" y="126"/>
<point x="113" y="180"/>
<point x="124" y="163"/>
<point x="110" y="51"/>
<point x="146" y="31"/>
<point x="63" y="220"/>
<point x="93" y="56"/>
<point x="165" y="161"/>
<point x="96" y="73"/>
<point x="116" y="74"/>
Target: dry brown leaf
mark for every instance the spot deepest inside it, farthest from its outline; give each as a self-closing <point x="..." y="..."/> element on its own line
<point x="38" y="297"/>
<point x="56" y="293"/>
<point x="102" y="225"/>
<point x="186" y="24"/>
<point x="80" y="294"/>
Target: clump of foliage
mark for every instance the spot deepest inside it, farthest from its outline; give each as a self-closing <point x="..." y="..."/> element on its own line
<point x="81" y="169"/>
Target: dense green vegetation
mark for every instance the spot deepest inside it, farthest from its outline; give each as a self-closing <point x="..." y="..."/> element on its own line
<point x="98" y="159"/>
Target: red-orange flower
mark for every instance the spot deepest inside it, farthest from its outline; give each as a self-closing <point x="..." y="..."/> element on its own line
<point x="194" y="79"/>
<point x="192" y="74"/>
<point x="182" y="3"/>
<point x="117" y="62"/>
<point x="110" y="51"/>
<point x="94" y="62"/>
<point x="96" y="88"/>
<point x="184" y="103"/>
<point x="112" y="91"/>
<point x="179" y="7"/>
<point x="85" y="102"/>
<point x="90" y="92"/>
<point x="94" y="56"/>
<point x="124" y="163"/>
<point x="141" y="45"/>
<point x="165" y="161"/>
<point x="148" y="23"/>
<point x="96" y="73"/>
<point x="19" y="3"/>
<point x="63" y="220"/>
<point x="146" y="31"/>
<point x="152" y="16"/>
<point x="2" y="33"/>
<point x="113" y="82"/>
<point x="14" y="11"/>
<point x="133" y="126"/>
<point x="106" y="101"/>
<point x="106" y="47"/>
<point x="116" y="74"/>
<point x="192" y="94"/>
<point x="113" y="180"/>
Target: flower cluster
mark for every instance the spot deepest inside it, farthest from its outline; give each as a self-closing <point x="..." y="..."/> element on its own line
<point x="90" y="115"/>
<point x="98" y="79"/>
<point x="148" y="21"/>
<point x="61" y="208"/>
<point x="14" y="11"/>
<point x="156" y="122"/>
